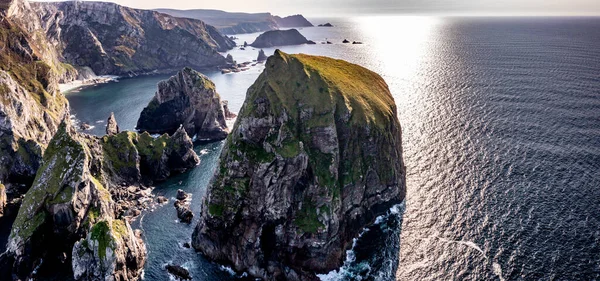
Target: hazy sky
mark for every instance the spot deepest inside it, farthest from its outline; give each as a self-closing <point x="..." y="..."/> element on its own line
<point x="339" y="7"/>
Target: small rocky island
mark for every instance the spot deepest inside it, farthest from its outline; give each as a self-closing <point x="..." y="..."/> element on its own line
<point x="189" y="99"/>
<point x="279" y="38"/>
<point x="314" y="157"/>
<point x="326" y="25"/>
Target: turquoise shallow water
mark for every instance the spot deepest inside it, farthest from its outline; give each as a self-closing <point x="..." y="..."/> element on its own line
<point x="501" y="132"/>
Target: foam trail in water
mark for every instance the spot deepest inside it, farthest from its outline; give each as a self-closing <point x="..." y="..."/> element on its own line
<point x="346" y="272"/>
<point x="496" y="268"/>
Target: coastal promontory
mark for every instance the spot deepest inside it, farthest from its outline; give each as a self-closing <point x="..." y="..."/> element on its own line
<point x="314" y="157"/>
<point x="279" y="38"/>
<point x="187" y="99"/>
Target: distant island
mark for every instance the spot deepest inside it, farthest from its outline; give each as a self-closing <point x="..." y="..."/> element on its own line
<point x="279" y="38"/>
<point x="237" y="23"/>
<point x="326" y="25"/>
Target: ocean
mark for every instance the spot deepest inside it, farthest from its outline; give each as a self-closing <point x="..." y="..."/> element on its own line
<point x="501" y="137"/>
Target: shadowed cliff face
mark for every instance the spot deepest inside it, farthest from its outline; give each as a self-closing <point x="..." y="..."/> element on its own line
<point x="188" y="99"/>
<point x="315" y="156"/>
<point x="117" y="40"/>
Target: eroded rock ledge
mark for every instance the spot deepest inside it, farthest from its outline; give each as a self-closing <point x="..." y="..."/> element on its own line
<point x="78" y="205"/>
<point x="314" y="157"/>
<point x="190" y="99"/>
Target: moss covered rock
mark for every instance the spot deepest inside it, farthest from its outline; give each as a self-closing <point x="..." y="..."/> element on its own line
<point x="77" y="202"/>
<point x="314" y="157"/>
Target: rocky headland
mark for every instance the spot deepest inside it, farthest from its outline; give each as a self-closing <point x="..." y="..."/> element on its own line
<point x="237" y="23"/>
<point x="188" y="99"/>
<point x="279" y="38"/>
<point x="314" y="157"/>
<point x="75" y="217"/>
<point x="117" y="40"/>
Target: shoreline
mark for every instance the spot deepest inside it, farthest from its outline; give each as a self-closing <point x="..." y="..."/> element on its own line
<point x="78" y="84"/>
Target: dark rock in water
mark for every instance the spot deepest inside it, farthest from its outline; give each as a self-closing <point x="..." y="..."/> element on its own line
<point x="112" y="128"/>
<point x="228" y="114"/>
<point x="181" y="195"/>
<point x="310" y="42"/>
<point x="79" y="196"/>
<point x="261" y="56"/>
<point x="356" y="42"/>
<point x="117" y="40"/>
<point x="189" y="99"/>
<point x="187" y="245"/>
<point x="326" y="25"/>
<point x="329" y="42"/>
<point x="162" y="200"/>
<point x="230" y="59"/>
<point x="245" y="44"/>
<point x="84" y="126"/>
<point x="179" y="272"/>
<point x="332" y="153"/>
<point x="184" y="213"/>
<point x="345" y="41"/>
<point x="279" y="38"/>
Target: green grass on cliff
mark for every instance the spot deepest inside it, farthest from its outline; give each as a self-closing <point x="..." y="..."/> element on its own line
<point x="328" y="81"/>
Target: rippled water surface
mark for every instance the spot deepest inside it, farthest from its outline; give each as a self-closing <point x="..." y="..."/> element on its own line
<point x="501" y="133"/>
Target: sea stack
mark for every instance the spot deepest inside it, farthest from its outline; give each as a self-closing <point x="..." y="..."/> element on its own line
<point x="314" y="157"/>
<point x="261" y="56"/>
<point x="275" y="38"/>
<point x="112" y="128"/>
<point x="190" y="99"/>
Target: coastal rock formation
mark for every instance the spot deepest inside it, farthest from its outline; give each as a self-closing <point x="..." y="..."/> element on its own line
<point x="279" y="38"/>
<point x="261" y="56"/>
<point x="314" y="157"/>
<point x="326" y="25"/>
<point x="75" y="207"/>
<point x="117" y="40"/>
<point x="112" y="128"/>
<point x="188" y="99"/>
<point x="238" y="23"/>
<point x="292" y="21"/>
<point x="228" y="114"/>
<point x="31" y="106"/>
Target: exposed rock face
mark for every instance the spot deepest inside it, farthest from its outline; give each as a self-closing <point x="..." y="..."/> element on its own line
<point x="75" y="206"/>
<point x="31" y="107"/>
<point x="179" y="272"/>
<point x="261" y="55"/>
<point x="279" y="38"/>
<point x="189" y="99"/>
<point x="237" y="23"/>
<point x="112" y="128"/>
<point x="314" y="157"/>
<point x="228" y="114"/>
<point x="112" y="39"/>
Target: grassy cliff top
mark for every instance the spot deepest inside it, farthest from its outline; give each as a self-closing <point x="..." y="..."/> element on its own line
<point x="322" y="83"/>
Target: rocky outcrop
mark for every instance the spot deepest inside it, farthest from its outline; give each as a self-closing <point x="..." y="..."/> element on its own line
<point x="238" y="23"/>
<point x="326" y="25"/>
<point x="188" y="99"/>
<point x="116" y="40"/>
<point x="112" y="128"/>
<point x="279" y="38"/>
<point x="76" y="207"/>
<point x="228" y="114"/>
<point x="261" y="56"/>
<point x="179" y="272"/>
<point x="314" y="157"/>
<point x="292" y="21"/>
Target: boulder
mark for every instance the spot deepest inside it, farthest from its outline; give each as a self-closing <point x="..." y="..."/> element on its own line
<point x="315" y="157"/>
<point x="181" y="195"/>
<point x="184" y="213"/>
<point x="179" y="272"/>
<point x="188" y="99"/>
